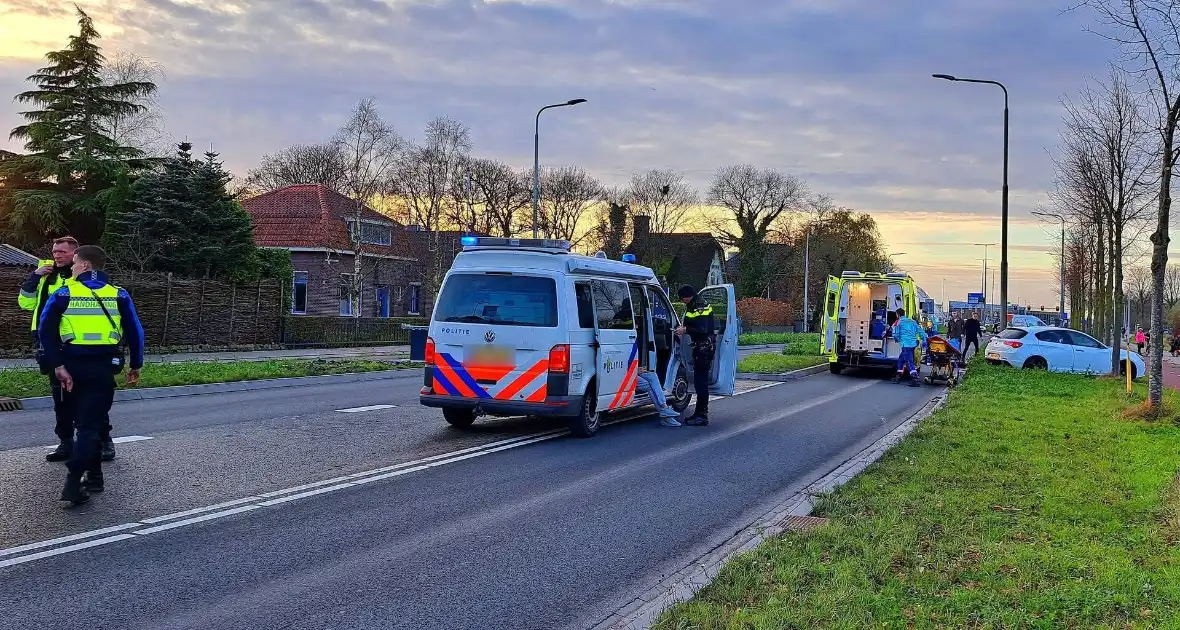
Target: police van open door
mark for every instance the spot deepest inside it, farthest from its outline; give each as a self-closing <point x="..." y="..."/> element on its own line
<point x="724" y="370"/>
<point x="618" y="351"/>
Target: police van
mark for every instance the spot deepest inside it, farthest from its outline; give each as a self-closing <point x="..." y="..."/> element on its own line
<point x="524" y="327"/>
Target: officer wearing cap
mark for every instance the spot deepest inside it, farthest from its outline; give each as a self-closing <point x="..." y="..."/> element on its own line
<point x="702" y="330"/>
<point x="82" y="330"/>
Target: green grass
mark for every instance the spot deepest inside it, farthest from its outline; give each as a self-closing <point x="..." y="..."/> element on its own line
<point x="1029" y="501"/>
<point x="24" y="383"/>
<point x="764" y="338"/>
<point x="770" y="363"/>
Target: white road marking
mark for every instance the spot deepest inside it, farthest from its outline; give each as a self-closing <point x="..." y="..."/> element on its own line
<point x="123" y="439"/>
<point x="368" y="408"/>
<point x="250" y="503"/>
<point x="60" y="550"/>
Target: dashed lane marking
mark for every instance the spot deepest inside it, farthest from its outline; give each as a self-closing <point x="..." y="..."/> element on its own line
<point x="366" y="408"/>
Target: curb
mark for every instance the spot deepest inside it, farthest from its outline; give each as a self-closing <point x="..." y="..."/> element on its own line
<point x="643" y="610"/>
<point x="786" y="376"/>
<point x="151" y="393"/>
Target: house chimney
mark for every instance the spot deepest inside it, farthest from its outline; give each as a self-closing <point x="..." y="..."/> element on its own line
<point x="642" y="227"/>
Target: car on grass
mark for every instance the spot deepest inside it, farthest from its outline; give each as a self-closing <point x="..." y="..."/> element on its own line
<point x="1057" y="350"/>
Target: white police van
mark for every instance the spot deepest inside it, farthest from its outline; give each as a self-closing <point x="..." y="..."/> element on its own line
<point x="523" y="327"/>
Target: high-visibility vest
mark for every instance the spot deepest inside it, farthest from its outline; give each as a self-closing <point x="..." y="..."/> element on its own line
<point x="84" y="323"/>
<point x="699" y="312"/>
<point x="33" y="301"/>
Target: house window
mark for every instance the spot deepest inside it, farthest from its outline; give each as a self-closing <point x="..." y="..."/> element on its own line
<point x="349" y="299"/>
<point x="299" y="293"/>
<point x="372" y="233"/>
<point x="414" y="307"/>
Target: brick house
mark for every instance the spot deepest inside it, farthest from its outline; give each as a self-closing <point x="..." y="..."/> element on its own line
<point x="314" y="223"/>
<point x="678" y="258"/>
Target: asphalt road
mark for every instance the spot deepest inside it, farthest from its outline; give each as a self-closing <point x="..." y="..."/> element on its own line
<point x="548" y="532"/>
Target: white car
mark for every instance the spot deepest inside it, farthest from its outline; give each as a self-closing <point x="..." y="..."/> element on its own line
<point x="1056" y="349"/>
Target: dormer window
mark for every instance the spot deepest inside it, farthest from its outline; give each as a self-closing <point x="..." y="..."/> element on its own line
<point x="372" y="233"/>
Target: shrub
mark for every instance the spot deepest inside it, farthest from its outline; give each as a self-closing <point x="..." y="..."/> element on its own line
<point x="760" y="312"/>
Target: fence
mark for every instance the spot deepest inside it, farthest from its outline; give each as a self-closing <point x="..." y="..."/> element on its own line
<point x="175" y="312"/>
<point x="306" y="330"/>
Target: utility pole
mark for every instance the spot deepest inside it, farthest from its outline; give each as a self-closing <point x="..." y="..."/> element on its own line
<point x="806" y="277"/>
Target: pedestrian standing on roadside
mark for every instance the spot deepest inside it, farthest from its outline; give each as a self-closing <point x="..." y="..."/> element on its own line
<point x="83" y="328"/>
<point x="971" y="332"/>
<point x="954" y="329"/>
<point x="49" y="276"/>
<point x="1140" y="338"/>
<point x="701" y="328"/>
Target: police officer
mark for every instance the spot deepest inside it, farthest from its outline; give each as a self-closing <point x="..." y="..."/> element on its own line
<point x="82" y="331"/>
<point x="702" y="330"/>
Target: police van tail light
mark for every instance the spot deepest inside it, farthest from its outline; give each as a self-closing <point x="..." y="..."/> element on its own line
<point x="429" y="356"/>
<point x="559" y="359"/>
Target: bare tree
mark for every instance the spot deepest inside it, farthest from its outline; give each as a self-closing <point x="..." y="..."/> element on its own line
<point x="142" y="129"/>
<point x="567" y="192"/>
<point x="425" y="181"/>
<point x="754" y="200"/>
<point x="324" y="164"/>
<point x="663" y="195"/>
<point x="371" y="149"/>
<point x="501" y="194"/>
<point x="1148" y="31"/>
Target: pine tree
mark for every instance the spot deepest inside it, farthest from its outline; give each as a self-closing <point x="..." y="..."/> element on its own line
<point x="71" y="153"/>
<point x="223" y="230"/>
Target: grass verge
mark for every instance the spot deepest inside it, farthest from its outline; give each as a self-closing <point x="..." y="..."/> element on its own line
<point x="1029" y="500"/>
<point x="771" y="363"/>
<point x="765" y="338"/>
<point x="25" y="383"/>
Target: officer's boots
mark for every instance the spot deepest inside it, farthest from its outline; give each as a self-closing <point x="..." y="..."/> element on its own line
<point x="61" y="453"/>
<point x="73" y="491"/>
<point x="93" y="481"/>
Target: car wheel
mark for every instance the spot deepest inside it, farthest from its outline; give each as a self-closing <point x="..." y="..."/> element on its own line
<point x="681" y="391"/>
<point x="1123" y="370"/>
<point x="835" y="368"/>
<point x="459" y="418"/>
<point x="585" y="424"/>
<point x="1036" y="363"/>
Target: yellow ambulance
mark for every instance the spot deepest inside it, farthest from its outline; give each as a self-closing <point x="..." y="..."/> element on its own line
<point x="860" y="306"/>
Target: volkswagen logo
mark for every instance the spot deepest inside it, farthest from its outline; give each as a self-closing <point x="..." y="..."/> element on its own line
<point x="489" y="336"/>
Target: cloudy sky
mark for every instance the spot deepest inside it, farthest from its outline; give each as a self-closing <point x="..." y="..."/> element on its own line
<point x="837" y="92"/>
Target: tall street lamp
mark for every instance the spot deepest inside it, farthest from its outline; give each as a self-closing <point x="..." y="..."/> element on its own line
<point x="1061" y="309"/>
<point x="983" y="282"/>
<point x="1004" y="202"/>
<point x="537" y="159"/>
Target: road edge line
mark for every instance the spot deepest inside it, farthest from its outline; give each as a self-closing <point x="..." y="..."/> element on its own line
<point x="641" y="611"/>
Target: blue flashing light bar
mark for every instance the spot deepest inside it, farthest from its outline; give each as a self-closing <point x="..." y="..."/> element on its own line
<point x="490" y="241"/>
<point x="628" y="258"/>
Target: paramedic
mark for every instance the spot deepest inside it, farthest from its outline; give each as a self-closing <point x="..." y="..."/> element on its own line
<point x="82" y="331"/>
<point x="701" y="329"/>
<point x="909" y="334"/>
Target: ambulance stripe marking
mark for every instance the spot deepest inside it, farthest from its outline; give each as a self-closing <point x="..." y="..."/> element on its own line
<point x="441" y="382"/>
<point x="464" y="377"/>
<point x="455" y="381"/>
<point x="523" y="380"/>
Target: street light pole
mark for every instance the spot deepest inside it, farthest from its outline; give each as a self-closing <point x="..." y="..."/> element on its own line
<point x="537" y="159"/>
<point x="806" y="277"/>
<point x="1004" y="200"/>
<point x="983" y="282"/>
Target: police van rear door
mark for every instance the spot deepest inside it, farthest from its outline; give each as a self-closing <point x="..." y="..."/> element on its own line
<point x="493" y="332"/>
<point x="723" y="374"/>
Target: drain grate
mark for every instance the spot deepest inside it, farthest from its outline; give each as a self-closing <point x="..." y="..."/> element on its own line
<point x="10" y="404"/>
<point x="802" y="523"/>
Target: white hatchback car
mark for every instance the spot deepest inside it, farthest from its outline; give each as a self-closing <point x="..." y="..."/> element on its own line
<point x="1056" y="349"/>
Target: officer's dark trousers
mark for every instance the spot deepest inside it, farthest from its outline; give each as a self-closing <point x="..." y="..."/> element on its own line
<point x="64" y="411"/>
<point x="90" y="401"/>
<point x="702" y="362"/>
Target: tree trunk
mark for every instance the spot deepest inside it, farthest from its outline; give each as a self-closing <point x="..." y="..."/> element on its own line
<point x="1159" y="262"/>
<point x="1119" y="298"/>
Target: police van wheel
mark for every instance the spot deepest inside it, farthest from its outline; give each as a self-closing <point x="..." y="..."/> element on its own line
<point x="459" y="418"/>
<point x="585" y="424"/>
<point x="681" y="391"/>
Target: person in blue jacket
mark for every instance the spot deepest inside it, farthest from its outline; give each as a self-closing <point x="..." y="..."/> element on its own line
<point x="83" y="329"/>
<point x="909" y="334"/>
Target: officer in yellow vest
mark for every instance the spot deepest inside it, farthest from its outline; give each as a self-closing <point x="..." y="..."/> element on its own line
<point x="701" y="328"/>
<point x="49" y="276"/>
<point x="82" y="331"/>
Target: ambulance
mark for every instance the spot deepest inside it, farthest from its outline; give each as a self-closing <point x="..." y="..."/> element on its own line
<point x="858" y="308"/>
<point x="524" y="327"/>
